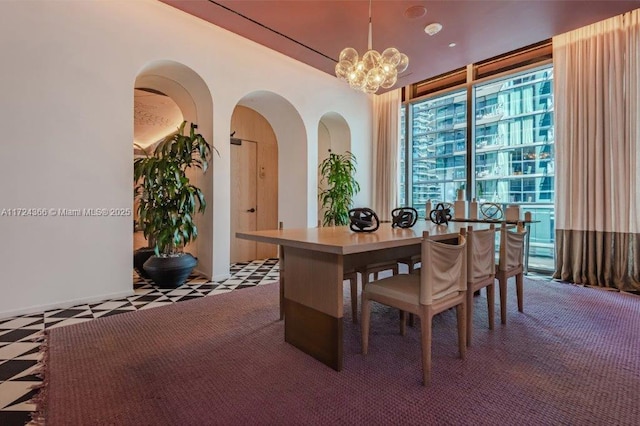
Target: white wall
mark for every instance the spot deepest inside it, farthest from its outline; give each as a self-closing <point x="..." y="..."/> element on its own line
<point x="67" y="78"/>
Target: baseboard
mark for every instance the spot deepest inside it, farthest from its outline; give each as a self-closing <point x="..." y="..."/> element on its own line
<point x="66" y="304"/>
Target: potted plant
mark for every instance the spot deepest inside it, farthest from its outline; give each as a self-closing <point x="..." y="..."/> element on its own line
<point x="338" y="173"/>
<point x="168" y="203"/>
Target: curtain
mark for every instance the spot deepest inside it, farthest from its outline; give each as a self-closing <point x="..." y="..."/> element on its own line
<point x="386" y="136"/>
<point x="596" y="95"/>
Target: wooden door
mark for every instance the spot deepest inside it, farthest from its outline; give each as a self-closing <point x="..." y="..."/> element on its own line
<point x="254" y="182"/>
<point x="243" y="199"/>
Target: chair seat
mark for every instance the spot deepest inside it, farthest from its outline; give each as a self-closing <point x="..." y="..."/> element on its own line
<point x="402" y="287"/>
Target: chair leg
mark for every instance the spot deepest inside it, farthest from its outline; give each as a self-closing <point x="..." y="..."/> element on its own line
<point x="365" y="279"/>
<point x="520" y="290"/>
<point x="353" y="282"/>
<point x="461" y="310"/>
<point x="469" y="315"/>
<point x="365" y="317"/>
<point x="403" y="323"/>
<point x="411" y="320"/>
<point x="491" y="300"/>
<point x="425" y="335"/>
<point x="503" y="299"/>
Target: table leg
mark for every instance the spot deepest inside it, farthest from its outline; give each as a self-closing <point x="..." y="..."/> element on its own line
<point x="313" y="304"/>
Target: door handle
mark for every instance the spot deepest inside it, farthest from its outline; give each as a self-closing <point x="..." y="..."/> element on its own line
<point x="251" y="210"/>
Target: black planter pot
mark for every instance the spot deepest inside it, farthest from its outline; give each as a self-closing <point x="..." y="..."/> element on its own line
<point x="170" y="272"/>
<point x="139" y="257"/>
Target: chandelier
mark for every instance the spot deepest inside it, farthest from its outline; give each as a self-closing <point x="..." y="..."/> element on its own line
<point x="373" y="70"/>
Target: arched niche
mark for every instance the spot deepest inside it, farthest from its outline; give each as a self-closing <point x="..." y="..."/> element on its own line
<point x="192" y="95"/>
<point x="294" y="196"/>
<point x="334" y="135"/>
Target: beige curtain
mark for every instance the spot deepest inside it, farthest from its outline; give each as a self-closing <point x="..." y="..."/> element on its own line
<point x="386" y="136"/>
<point x="596" y="95"/>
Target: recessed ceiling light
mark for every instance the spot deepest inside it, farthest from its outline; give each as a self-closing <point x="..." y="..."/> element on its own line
<point x="432" y="29"/>
<point x="452" y="45"/>
<point x="415" y="12"/>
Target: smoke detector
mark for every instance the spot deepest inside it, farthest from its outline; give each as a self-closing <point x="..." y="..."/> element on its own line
<point x="433" y="29"/>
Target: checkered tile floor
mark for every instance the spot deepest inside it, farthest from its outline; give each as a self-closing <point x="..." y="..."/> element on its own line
<point x="19" y="354"/>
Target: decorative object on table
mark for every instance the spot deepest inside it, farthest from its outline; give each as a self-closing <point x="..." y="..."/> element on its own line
<point x="491" y="211"/>
<point x="404" y="217"/>
<point x="372" y="70"/>
<point x="512" y="213"/>
<point x="441" y="215"/>
<point x="473" y="209"/>
<point x="363" y="220"/>
<point x="168" y="203"/>
<point x="427" y="209"/>
<point x="338" y="172"/>
<point x="460" y="205"/>
<point x="528" y="217"/>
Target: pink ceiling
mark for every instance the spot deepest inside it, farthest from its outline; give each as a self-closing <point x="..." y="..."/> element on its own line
<point x="480" y="29"/>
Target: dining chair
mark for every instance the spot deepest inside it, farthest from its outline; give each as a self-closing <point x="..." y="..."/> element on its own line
<point x="481" y="272"/>
<point x="440" y="286"/>
<point x="510" y="264"/>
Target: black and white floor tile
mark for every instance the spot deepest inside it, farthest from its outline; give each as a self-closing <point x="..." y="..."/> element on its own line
<point x="20" y="350"/>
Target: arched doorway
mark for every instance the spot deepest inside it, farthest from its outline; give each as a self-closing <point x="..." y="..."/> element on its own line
<point x="192" y="97"/>
<point x="254" y="182"/>
<point x="289" y="186"/>
<point x="155" y="115"/>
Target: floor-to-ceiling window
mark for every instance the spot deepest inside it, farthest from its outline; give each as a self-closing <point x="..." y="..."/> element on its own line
<point x="511" y="159"/>
<point x="438" y="149"/>
<point x="402" y="160"/>
<point x="514" y="153"/>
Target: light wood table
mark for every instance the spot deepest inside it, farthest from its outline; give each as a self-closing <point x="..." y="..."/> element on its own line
<point x="313" y="261"/>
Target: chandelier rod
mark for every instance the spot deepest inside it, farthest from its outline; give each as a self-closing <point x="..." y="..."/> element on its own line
<point x="370" y="44"/>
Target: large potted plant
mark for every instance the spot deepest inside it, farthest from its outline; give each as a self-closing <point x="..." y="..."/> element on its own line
<point x="168" y="203"/>
<point x="338" y="174"/>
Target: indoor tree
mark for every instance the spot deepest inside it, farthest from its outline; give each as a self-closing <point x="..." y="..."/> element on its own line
<point x="338" y="173"/>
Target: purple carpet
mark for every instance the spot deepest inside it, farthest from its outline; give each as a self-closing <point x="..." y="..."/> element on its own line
<point x="573" y="357"/>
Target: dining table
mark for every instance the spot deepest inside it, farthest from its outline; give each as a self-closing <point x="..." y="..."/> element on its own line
<point x="312" y="266"/>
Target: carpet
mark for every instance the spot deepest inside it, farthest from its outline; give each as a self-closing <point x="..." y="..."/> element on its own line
<point x="571" y="358"/>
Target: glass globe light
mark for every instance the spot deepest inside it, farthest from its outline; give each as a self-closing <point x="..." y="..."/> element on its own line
<point x="342" y="69"/>
<point x="390" y="80"/>
<point x="387" y="68"/>
<point x="404" y="63"/>
<point x="391" y="56"/>
<point x="375" y="76"/>
<point x="357" y="79"/>
<point x="371" y="59"/>
<point x="350" y="55"/>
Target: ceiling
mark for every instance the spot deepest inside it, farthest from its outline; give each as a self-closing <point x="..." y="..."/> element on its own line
<point x="154" y="116"/>
<point x="314" y="32"/>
